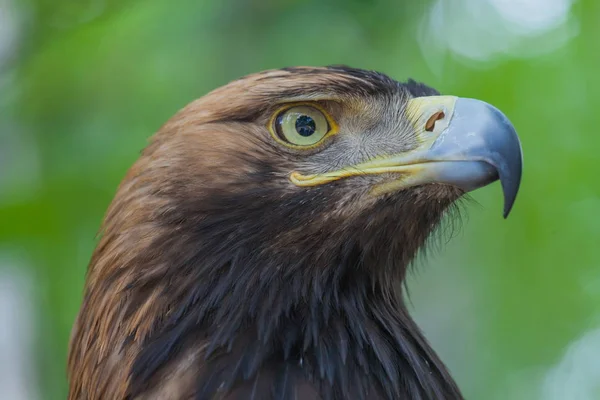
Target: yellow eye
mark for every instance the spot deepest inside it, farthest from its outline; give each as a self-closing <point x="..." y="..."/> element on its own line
<point x="301" y="126"/>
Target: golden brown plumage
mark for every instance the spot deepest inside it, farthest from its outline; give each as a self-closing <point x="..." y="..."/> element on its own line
<point x="233" y="264"/>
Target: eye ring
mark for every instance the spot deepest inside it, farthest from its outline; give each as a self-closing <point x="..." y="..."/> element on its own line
<point x="301" y="125"/>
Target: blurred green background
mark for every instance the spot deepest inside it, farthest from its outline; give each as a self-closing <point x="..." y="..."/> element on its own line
<point x="513" y="306"/>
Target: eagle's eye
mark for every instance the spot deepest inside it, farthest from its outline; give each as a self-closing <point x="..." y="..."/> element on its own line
<point x="302" y="126"/>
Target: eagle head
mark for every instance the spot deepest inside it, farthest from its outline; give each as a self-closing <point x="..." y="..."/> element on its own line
<point x="258" y="246"/>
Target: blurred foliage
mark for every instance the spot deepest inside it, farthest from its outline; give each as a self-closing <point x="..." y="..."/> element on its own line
<point x="93" y="79"/>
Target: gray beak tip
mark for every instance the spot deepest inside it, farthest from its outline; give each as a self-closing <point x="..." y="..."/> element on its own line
<point x="496" y="143"/>
<point x="510" y="189"/>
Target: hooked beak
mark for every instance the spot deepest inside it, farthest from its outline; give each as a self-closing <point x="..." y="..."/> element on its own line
<point x="463" y="142"/>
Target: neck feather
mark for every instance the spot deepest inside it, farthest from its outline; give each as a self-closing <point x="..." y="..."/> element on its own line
<point x="314" y="299"/>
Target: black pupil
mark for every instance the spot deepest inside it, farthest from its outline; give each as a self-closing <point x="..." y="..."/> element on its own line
<point x="305" y="125"/>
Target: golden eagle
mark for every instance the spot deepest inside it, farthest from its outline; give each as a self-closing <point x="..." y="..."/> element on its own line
<point x="257" y="248"/>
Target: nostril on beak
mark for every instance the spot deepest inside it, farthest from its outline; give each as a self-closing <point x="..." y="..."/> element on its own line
<point x="430" y="124"/>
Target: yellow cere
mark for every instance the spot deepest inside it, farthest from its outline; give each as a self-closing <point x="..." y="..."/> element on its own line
<point x="420" y="109"/>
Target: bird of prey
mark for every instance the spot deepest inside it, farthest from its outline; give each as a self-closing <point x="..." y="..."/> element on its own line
<point x="258" y="247"/>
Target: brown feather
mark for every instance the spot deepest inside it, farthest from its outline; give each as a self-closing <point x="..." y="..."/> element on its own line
<point x="211" y="264"/>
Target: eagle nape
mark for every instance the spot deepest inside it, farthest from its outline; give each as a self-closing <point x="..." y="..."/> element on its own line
<point x="258" y="247"/>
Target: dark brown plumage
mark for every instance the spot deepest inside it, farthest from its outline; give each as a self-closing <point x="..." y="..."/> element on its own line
<point x="222" y="275"/>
